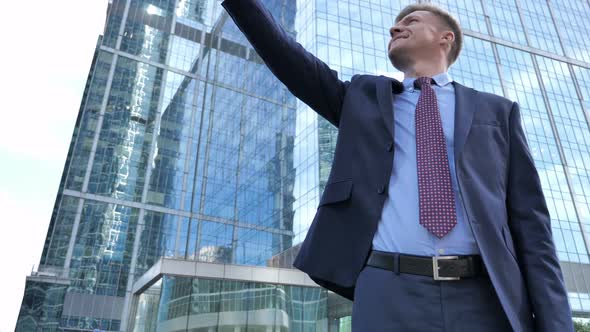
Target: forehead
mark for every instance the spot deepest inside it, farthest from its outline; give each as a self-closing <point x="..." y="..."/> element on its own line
<point x="422" y="14"/>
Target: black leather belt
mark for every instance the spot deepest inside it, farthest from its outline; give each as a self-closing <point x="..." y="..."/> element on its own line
<point x="438" y="267"/>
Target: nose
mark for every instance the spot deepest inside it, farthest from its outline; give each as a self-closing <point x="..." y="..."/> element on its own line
<point x="394" y="30"/>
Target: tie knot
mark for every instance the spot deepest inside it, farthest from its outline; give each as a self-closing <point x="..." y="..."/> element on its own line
<point x="422" y="81"/>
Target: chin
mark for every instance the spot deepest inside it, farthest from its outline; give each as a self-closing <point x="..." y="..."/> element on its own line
<point x="399" y="59"/>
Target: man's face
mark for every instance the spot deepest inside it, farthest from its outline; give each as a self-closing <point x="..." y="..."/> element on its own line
<point x="417" y="36"/>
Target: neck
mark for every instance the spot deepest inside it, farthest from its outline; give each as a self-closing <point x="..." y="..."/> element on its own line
<point x="428" y="69"/>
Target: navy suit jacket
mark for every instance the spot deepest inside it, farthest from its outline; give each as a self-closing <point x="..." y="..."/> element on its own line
<point x="498" y="180"/>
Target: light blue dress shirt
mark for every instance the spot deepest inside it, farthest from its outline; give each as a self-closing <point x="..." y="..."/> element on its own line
<point x="399" y="228"/>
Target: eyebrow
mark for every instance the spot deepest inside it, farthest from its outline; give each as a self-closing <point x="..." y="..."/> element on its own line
<point x="408" y="17"/>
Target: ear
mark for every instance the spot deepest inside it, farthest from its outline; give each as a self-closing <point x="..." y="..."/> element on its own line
<point x="447" y="38"/>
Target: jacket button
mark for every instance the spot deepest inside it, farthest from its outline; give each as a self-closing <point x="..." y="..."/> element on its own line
<point x="390" y="146"/>
<point x="380" y="189"/>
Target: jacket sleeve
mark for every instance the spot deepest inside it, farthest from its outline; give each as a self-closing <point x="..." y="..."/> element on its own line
<point x="530" y="226"/>
<point x="306" y="76"/>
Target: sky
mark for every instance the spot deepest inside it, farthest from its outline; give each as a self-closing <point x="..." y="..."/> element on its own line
<point x="47" y="48"/>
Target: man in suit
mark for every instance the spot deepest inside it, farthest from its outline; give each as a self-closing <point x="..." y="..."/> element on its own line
<point x="433" y="217"/>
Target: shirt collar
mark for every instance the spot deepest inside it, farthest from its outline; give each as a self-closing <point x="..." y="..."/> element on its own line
<point x="441" y="80"/>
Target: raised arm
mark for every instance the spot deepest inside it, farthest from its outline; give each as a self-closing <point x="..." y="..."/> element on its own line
<point x="306" y="76"/>
<point x="530" y="224"/>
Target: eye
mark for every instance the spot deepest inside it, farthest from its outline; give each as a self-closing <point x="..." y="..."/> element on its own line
<point x="413" y="20"/>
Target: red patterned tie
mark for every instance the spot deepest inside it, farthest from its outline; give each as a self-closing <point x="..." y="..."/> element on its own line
<point x="437" y="202"/>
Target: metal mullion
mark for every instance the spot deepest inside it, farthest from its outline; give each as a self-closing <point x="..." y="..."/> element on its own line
<point x="559" y="35"/>
<point x="147" y="178"/>
<point x="214" y="32"/>
<point x="155" y="208"/>
<point x="494" y="50"/>
<point x="197" y="77"/>
<point x="579" y="94"/>
<point x="524" y="48"/>
<point x="524" y="28"/>
<point x="195" y="110"/>
<point x="200" y="59"/>
<point x="240" y="152"/>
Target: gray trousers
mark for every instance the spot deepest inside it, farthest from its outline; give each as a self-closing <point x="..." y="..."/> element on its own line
<point x="390" y="302"/>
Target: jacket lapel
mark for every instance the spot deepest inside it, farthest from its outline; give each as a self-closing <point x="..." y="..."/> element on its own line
<point x="386" y="87"/>
<point x="465" y="106"/>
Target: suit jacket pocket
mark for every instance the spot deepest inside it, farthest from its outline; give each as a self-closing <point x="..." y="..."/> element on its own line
<point x="508" y="241"/>
<point x="493" y="123"/>
<point x="336" y="192"/>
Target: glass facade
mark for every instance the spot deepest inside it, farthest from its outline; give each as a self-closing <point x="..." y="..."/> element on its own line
<point x="206" y="305"/>
<point x="186" y="146"/>
<point x="42" y="306"/>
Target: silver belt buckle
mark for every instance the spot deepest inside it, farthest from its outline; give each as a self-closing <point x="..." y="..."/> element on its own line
<point x="435" y="267"/>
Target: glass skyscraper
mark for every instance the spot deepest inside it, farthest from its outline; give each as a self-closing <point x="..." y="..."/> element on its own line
<point x="193" y="174"/>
